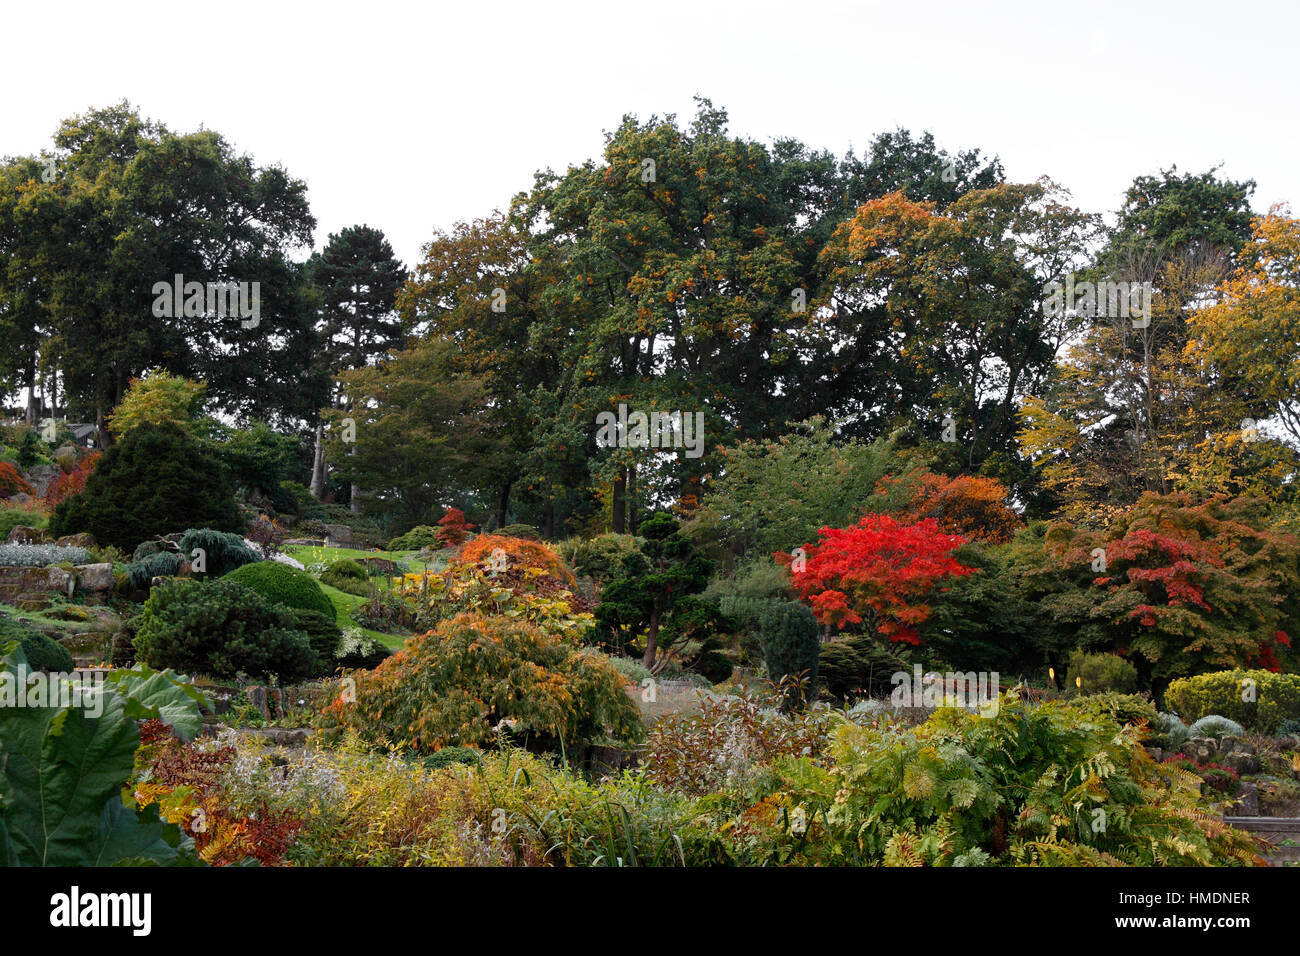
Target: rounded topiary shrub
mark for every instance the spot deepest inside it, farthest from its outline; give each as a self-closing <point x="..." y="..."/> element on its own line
<point x="348" y="576"/>
<point x="155" y="480"/>
<point x="1098" y="673"/>
<point x="221" y="629"/>
<point x="789" y="634"/>
<point x="282" y="584"/>
<point x="421" y="536"/>
<point x="42" y="653"/>
<point x="1259" y="700"/>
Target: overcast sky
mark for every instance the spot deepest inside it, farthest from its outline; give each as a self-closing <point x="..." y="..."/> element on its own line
<point x="411" y="116"/>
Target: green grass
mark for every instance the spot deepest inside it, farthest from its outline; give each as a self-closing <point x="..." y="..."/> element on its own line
<point x="309" y="555"/>
<point x="345" y="604"/>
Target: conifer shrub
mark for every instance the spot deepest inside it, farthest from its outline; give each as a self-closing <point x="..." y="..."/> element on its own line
<point x="283" y="584"/>
<point x="156" y="479"/>
<point x="221" y="629"/>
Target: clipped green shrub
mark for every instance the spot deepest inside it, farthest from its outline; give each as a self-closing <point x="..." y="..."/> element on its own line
<point x="348" y="576"/>
<point x="790" y="643"/>
<point x="1215" y="726"/>
<point x="282" y="584"/>
<point x="1259" y="700"/>
<point x="421" y="536"/>
<point x="520" y="531"/>
<point x="43" y="653"/>
<point x="221" y="628"/>
<point x="155" y="479"/>
<point x="1101" y="673"/>
<point x="29" y="515"/>
<point x="324" y="636"/>
<point x="451" y="756"/>
<point x="222" y="552"/>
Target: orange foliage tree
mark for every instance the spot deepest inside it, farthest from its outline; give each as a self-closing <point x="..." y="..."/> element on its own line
<point x="71" y="483"/>
<point x="12" y="482"/>
<point x="969" y="505"/>
<point x="502" y="553"/>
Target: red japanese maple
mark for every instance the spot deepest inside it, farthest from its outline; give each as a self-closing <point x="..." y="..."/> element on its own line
<point x="877" y="570"/>
<point x="453" y="528"/>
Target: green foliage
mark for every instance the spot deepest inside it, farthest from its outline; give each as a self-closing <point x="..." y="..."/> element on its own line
<point x="1212" y="725"/>
<point x="1168" y="731"/>
<point x="775" y="495"/>
<point x="459" y="682"/>
<point x="520" y="531"/>
<point x="857" y="666"/>
<point x="222" y="552"/>
<point x="41" y="652"/>
<point x="163" y="564"/>
<point x="63" y="769"/>
<point x="159" y="398"/>
<point x="348" y="576"/>
<point x="1101" y="672"/>
<point x="155" y="479"/>
<point x="790" y="642"/>
<point x="420" y="537"/>
<point x="1128" y="709"/>
<point x="1045" y="785"/>
<point x="359" y="651"/>
<point x="597" y="558"/>
<point x="650" y="590"/>
<point x="259" y="459"/>
<point x="221" y="629"/>
<point x="29" y="514"/>
<point x="324" y="635"/>
<point x="282" y="584"/>
<point x="451" y="756"/>
<point x="1258" y="700"/>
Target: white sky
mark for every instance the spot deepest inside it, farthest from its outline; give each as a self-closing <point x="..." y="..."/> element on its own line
<point x="411" y="116"/>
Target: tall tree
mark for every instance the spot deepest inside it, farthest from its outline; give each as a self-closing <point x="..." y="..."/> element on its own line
<point x="357" y="277"/>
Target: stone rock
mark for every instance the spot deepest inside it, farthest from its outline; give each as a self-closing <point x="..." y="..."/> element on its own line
<point x="1157" y="754"/>
<point x="378" y="565"/>
<point x="1201" y="749"/>
<point x="96" y="577"/>
<point x="338" y="535"/>
<point x="1240" y="763"/>
<point x="83" y="539"/>
<point x="22" y="534"/>
<point x="1248" y="801"/>
<point x="40" y="477"/>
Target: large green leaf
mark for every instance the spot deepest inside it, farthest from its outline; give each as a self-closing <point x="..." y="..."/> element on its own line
<point x="161" y="695"/>
<point x="62" y="770"/>
<point x="126" y="836"/>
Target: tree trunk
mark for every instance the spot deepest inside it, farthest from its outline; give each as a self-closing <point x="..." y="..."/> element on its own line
<point x="651" y="641"/>
<point x="318" y="463"/>
<point x="619" y="521"/>
<point x="503" y="502"/>
<point x="631" y="499"/>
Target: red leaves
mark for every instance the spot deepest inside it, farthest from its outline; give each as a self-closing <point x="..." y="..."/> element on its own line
<point x="878" y="568"/>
